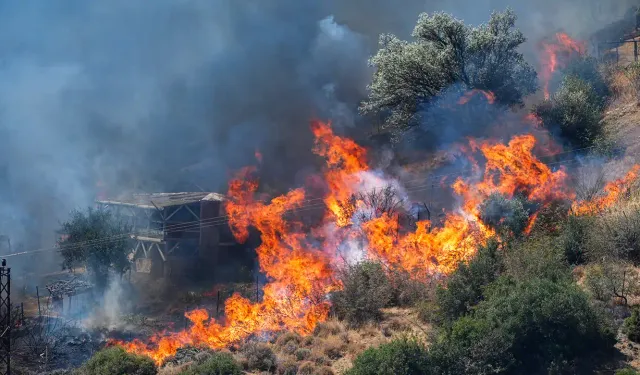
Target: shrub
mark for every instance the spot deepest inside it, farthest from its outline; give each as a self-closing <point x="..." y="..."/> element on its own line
<point x="287" y="367"/>
<point x="217" y="363"/>
<point x="574" y="238"/>
<point x="366" y="290"/>
<point x="575" y="109"/>
<point x="464" y="287"/>
<point x="537" y="257"/>
<point x="619" y="235"/>
<point x="259" y="356"/>
<point x="116" y="361"/>
<point x="610" y="279"/>
<point x="399" y="357"/>
<point x="428" y="312"/>
<point x="627" y="371"/>
<point x="302" y="354"/>
<point x="586" y="68"/>
<point x="407" y="290"/>
<point x="505" y="216"/>
<point x="525" y="327"/>
<point x="631" y="326"/>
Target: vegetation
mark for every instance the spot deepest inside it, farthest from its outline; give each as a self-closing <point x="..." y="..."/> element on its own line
<point x="218" y="364"/>
<point x="576" y="110"/>
<point x="366" y="290"/>
<point x="115" y="361"/>
<point x="95" y="240"/>
<point x="509" y="217"/>
<point x="445" y="51"/>
<point x="632" y="326"/>
<point x="465" y="287"/>
<point x="399" y="357"/>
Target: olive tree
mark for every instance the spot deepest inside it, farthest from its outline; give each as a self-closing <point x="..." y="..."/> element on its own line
<point x="96" y="240"/>
<point x="444" y="52"/>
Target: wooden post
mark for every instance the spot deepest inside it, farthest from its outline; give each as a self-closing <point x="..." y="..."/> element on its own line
<point x="38" y="295"/>
<point x="218" y="305"/>
<point x="635" y="50"/>
<point x="617" y="55"/>
<point x="257" y="288"/>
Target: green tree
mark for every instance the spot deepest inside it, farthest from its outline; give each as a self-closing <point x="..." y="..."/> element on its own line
<point x="115" y="361"/>
<point x="576" y="109"/>
<point x="444" y="52"/>
<point x="94" y="239"/>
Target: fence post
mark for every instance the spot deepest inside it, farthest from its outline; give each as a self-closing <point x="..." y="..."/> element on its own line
<point x="38" y="296"/>
<point x="635" y="50"/>
<point x="5" y="310"/>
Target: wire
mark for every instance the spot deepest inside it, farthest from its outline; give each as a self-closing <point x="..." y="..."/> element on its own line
<point x="221" y="220"/>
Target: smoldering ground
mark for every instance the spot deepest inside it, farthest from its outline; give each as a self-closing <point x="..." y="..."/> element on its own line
<point x="169" y="95"/>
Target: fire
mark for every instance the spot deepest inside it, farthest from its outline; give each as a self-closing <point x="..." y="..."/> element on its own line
<point x="555" y="55"/>
<point x="300" y="262"/>
<point x="488" y="95"/>
<point x="345" y="159"/>
<point x="612" y="193"/>
<point x="258" y="156"/>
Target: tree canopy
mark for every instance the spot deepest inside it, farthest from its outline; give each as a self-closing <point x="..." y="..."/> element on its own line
<point x="445" y="51"/>
<point x="94" y="239"/>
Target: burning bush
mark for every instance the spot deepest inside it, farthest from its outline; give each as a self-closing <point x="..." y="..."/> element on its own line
<point x="399" y="357"/>
<point x="115" y="361"/>
<point x="366" y="290"/>
<point x="575" y="109"/>
<point x="259" y="356"/>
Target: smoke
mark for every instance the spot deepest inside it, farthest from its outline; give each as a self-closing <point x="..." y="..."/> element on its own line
<point x="169" y="95"/>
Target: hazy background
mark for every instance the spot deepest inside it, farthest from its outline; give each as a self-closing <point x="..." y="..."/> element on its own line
<point x="168" y="95"/>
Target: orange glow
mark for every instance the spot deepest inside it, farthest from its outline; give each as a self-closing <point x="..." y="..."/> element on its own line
<point x="258" y="156"/>
<point x="489" y="96"/>
<point x="299" y="262"/>
<point x="555" y="55"/>
<point x="612" y="193"/>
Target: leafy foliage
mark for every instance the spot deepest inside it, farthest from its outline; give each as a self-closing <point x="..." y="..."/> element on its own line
<point x="576" y="109"/>
<point x="506" y="216"/>
<point x="366" y="290"/>
<point x="444" y="52"/>
<point x="535" y="326"/>
<point x="259" y="356"/>
<point x="574" y="238"/>
<point x="96" y="240"/>
<point x="631" y="326"/>
<point x="586" y="69"/>
<point x="116" y="361"/>
<point x="217" y="363"/>
<point x="465" y="286"/>
<point x="399" y="357"/>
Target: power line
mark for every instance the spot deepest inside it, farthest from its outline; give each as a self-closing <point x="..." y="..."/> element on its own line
<point x="223" y="219"/>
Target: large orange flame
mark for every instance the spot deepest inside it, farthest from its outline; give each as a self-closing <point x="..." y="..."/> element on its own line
<point x="613" y="191"/>
<point x="555" y="55"/>
<point x="299" y="262"/>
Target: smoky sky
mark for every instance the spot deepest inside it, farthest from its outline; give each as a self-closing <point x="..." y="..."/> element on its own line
<point x="170" y="95"/>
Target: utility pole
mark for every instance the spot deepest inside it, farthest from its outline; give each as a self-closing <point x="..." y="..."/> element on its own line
<point x="5" y="319"/>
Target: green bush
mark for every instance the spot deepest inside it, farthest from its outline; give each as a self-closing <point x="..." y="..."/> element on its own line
<point x="627" y="371"/>
<point x="538" y="257"/>
<point x="506" y="216"/>
<point x="586" y="68"/>
<point x="399" y="357"/>
<point x="465" y="286"/>
<point x="576" y="110"/>
<point x="366" y="290"/>
<point x="259" y="356"/>
<point x="428" y="312"/>
<point x="218" y="364"/>
<point x="574" y="238"/>
<point x="116" y="361"/>
<point x="535" y="326"/>
<point x="631" y="326"/>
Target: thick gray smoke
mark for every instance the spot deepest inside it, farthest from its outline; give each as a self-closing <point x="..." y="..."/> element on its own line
<point x="168" y="95"/>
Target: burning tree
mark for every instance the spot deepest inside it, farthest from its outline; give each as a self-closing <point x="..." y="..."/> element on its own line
<point x="445" y="52"/>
